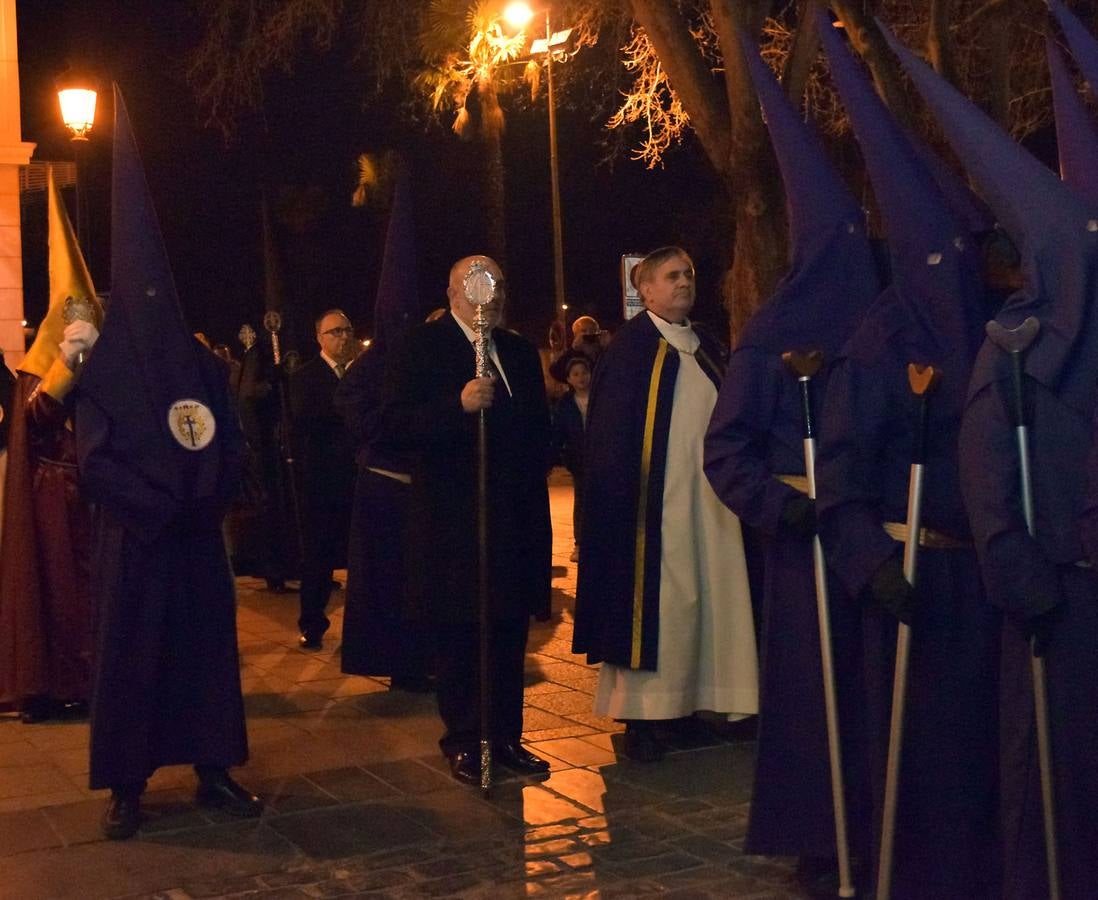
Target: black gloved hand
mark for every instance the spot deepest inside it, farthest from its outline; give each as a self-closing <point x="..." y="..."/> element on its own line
<point x="890" y="590"/>
<point x="1038" y="629"/>
<point x="798" y="515"/>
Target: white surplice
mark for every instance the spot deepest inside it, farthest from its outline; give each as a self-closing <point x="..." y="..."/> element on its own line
<point x="706" y="658"/>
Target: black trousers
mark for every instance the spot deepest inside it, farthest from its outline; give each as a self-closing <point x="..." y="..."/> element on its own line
<point x="458" y="685"/>
<point x="577" y="506"/>
<point x="325" y="534"/>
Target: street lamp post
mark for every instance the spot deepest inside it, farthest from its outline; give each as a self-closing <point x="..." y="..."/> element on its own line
<point x="554" y="180"/>
<point x="77" y="96"/>
<point x="519" y="15"/>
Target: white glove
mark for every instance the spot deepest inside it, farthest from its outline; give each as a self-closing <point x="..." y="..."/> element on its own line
<point x="79" y="337"/>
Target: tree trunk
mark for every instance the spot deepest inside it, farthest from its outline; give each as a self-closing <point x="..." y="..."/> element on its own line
<point x="495" y="205"/>
<point x="997" y="28"/>
<point x="802" y="55"/>
<point x="939" y="41"/>
<point x="759" y="257"/>
<point x="690" y="76"/>
<point x="866" y="39"/>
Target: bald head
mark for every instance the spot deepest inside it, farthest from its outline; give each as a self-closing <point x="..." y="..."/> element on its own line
<point x="455" y="291"/>
<point x="584" y="325"/>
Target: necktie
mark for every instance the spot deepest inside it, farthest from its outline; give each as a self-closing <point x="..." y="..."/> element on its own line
<point x="340" y="369"/>
<point x="502" y="394"/>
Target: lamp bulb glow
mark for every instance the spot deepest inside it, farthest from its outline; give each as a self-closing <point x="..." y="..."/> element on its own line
<point x="518" y="14"/>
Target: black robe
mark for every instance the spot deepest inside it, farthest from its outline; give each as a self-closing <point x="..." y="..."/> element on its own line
<point x="1024" y="577"/>
<point x="378" y="636"/>
<point x="945" y="831"/>
<point x="167" y="690"/>
<point x="755" y="436"/>
<point x="628" y="419"/>
<point x="264" y="528"/>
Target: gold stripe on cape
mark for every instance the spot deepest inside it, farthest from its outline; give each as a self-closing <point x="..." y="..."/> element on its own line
<point x="642" y="504"/>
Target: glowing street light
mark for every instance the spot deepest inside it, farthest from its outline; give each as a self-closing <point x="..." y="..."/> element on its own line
<point x="77" y="110"/>
<point x="76" y="93"/>
<point x="518" y="14"/>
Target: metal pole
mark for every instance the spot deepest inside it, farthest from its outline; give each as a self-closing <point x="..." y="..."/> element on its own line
<point x="921" y="385"/>
<point x="1014" y="342"/>
<point x="480" y="290"/>
<point x="485" y="609"/>
<point x="554" y="178"/>
<point x="804" y="366"/>
<point x="272" y="322"/>
<point x="83" y="238"/>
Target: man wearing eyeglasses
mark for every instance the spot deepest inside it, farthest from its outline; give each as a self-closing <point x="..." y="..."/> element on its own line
<point x="324" y="449"/>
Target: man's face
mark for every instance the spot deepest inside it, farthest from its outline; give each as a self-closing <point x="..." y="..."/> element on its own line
<point x="336" y="337"/>
<point x="582" y="327"/>
<point x="669" y="291"/>
<point x="461" y="306"/>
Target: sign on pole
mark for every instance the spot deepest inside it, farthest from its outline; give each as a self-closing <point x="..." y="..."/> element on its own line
<point x="630" y="297"/>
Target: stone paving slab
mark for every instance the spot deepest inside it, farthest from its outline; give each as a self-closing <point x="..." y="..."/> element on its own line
<point x="359" y="802"/>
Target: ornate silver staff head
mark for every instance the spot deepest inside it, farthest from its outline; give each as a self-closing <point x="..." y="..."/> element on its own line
<point x="479" y="285"/>
<point x="246" y="336"/>
<point x="272" y="321"/>
<point x="78" y="309"/>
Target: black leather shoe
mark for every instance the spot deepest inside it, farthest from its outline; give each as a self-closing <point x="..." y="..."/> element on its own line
<point x="309" y="641"/>
<point x="518" y="759"/>
<point x="641" y="742"/>
<point x="39" y="709"/>
<point x="413" y="684"/>
<point x="122" y="817"/>
<point x="219" y="791"/>
<point x="465" y="767"/>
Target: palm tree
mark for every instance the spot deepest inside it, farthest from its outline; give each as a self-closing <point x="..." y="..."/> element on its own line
<point x="479" y="71"/>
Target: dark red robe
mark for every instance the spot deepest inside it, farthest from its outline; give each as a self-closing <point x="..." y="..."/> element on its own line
<point x="47" y="627"/>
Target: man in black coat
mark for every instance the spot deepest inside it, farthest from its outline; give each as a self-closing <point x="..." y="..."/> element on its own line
<point x="326" y="454"/>
<point x="430" y="406"/>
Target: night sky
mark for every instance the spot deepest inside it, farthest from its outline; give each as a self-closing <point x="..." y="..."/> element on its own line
<point x="303" y="149"/>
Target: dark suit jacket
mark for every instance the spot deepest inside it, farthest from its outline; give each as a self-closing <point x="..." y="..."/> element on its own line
<point x="421" y="412"/>
<point x="325" y="454"/>
<point x="323" y="445"/>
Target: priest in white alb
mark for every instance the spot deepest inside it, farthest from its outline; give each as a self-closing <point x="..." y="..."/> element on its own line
<point x="662" y="597"/>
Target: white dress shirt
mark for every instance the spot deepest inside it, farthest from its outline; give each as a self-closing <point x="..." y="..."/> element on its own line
<point x="472" y="335"/>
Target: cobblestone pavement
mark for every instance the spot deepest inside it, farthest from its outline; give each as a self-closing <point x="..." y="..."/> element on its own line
<point x="360" y="803"/>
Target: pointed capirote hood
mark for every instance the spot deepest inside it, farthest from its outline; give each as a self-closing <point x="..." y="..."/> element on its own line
<point x="1055" y="230"/>
<point x="1083" y="45"/>
<point x="935" y="258"/>
<point x="832" y="277"/>
<point x="69" y="277"/>
<point x="969" y="209"/>
<point x="397" y="305"/>
<point x="1076" y="133"/>
<point x="145" y="373"/>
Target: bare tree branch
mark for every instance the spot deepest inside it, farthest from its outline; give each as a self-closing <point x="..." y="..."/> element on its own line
<point x="690" y="76"/>
<point x="939" y="40"/>
<point x="866" y="39"/>
<point x="979" y="13"/>
<point x="802" y="55"/>
<point x="997" y="32"/>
